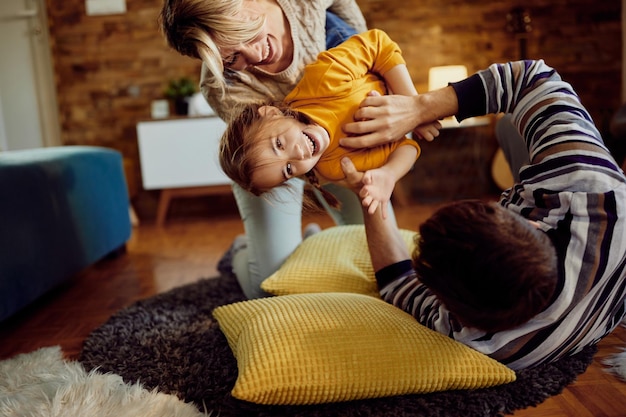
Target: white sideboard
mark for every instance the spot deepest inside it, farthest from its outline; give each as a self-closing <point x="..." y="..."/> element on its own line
<point x="180" y="152"/>
<point x="180" y="157"/>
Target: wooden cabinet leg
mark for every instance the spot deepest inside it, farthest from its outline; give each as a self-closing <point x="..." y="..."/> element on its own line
<point x="168" y="194"/>
<point x="134" y="220"/>
<point x="164" y="203"/>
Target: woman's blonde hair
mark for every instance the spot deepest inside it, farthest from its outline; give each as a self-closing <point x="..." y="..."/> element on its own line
<point x="238" y="152"/>
<point x="198" y="28"/>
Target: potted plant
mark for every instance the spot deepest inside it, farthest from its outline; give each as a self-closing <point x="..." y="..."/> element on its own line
<point x="179" y="90"/>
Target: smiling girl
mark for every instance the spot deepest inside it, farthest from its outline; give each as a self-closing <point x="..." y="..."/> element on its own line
<point x="266" y="145"/>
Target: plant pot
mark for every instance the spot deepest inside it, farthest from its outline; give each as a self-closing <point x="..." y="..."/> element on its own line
<point x="181" y="106"/>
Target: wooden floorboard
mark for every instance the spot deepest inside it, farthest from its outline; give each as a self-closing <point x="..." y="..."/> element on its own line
<point x="187" y="249"/>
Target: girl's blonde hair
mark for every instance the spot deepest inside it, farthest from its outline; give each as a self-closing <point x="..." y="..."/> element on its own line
<point x="239" y="152"/>
<point x="198" y="28"/>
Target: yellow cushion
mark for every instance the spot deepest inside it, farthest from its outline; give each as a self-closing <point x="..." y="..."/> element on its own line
<point x="333" y="260"/>
<point x="329" y="347"/>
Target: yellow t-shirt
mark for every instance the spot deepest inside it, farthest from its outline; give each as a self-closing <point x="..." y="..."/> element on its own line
<point x="332" y="88"/>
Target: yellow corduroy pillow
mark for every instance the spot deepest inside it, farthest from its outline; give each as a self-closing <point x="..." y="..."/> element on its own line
<point x="330" y="347"/>
<point x="334" y="260"/>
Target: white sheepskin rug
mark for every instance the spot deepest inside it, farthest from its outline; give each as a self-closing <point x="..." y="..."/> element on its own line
<point x="42" y="383"/>
<point x="617" y="362"/>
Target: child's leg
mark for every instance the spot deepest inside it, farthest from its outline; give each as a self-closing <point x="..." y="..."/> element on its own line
<point x="273" y="228"/>
<point x="512" y="144"/>
<point x="337" y="30"/>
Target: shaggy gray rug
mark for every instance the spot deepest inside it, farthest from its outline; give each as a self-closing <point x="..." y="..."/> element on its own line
<point x="170" y="342"/>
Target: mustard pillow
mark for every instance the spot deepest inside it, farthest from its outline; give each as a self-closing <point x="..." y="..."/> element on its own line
<point x="329" y="347"/>
<point x="334" y="260"/>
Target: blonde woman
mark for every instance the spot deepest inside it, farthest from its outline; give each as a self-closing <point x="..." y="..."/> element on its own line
<point x="255" y="51"/>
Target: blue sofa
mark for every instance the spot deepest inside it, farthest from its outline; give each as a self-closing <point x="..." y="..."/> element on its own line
<point x="61" y="209"/>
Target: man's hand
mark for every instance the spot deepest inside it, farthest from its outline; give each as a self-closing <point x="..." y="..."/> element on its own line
<point x="354" y="178"/>
<point x="383" y="119"/>
<point x="379" y="120"/>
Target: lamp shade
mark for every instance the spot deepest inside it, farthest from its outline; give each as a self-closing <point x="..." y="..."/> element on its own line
<point x="439" y="77"/>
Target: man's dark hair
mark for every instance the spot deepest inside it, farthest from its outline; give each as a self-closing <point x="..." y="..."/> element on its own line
<point x="490" y="267"/>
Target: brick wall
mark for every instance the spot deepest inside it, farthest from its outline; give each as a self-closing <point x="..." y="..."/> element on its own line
<point x="109" y="68"/>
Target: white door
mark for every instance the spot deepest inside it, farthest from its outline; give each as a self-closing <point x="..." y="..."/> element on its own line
<point x="28" y="106"/>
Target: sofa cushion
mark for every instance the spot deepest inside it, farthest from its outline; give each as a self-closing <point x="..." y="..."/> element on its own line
<point x="334" y="260"/>
<point x="328" y="347"/>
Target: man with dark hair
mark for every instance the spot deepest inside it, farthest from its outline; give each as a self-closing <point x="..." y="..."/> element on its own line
<point x="541" y="274"/>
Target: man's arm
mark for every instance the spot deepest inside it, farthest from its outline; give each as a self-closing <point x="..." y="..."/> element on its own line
<point x="384" y="241"/>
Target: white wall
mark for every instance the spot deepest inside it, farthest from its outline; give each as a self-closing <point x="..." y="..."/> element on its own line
<point x="3" y="133"/>
<point x="30" y="111"/>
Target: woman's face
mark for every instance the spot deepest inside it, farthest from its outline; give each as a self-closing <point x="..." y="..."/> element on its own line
<point x="272" y="49"/>
<point x="286" y="148"/>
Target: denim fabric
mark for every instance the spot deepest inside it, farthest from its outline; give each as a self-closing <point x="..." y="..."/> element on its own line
<point x="337" y="30"/>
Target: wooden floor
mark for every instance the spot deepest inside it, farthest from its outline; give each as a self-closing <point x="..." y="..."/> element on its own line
<point x="187" y="249"/>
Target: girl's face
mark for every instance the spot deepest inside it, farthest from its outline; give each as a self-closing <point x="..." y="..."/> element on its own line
<point x="285" y="148"/>
<point x="272" y="49"/>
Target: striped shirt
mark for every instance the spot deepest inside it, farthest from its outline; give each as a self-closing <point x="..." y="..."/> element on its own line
<point x="577" y="193"/>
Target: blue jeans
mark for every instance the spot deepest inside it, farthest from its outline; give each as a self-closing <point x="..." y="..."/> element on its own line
<point x="337" y="30"/>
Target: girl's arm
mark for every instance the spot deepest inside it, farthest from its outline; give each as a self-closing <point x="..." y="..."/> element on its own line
<point x="380" y="182"/>
<point x="399" y="81"/>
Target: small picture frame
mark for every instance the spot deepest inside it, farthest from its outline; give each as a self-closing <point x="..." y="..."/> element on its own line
<point x="160" y="109"/>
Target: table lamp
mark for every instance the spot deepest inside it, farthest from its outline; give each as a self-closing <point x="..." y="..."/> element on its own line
<point x="439" y="77"/>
